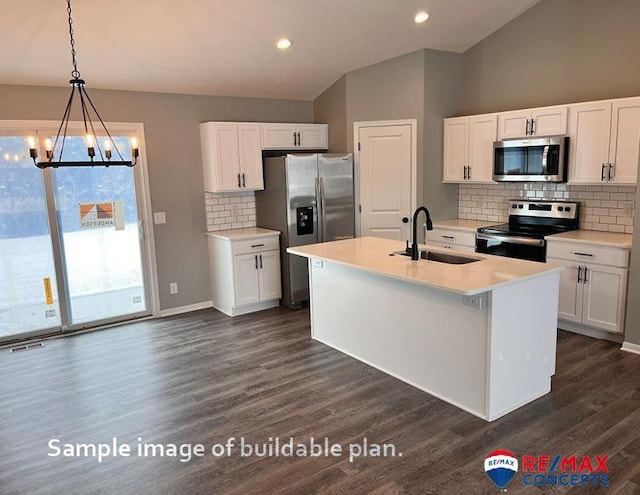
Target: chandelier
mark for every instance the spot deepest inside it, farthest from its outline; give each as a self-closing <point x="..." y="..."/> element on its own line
<point x="97" y="155"/>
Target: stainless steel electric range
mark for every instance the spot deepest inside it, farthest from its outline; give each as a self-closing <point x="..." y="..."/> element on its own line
<point x="529" y="222"/>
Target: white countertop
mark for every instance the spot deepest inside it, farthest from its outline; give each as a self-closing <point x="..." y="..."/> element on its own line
<point x="371" y="254"/>
<point x="610" y="239"/>
<point x="242" y="234"/>
<point x="462" y="224"/>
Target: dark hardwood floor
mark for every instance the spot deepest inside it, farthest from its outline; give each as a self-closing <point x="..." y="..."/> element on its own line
<point x="204" y="377"/>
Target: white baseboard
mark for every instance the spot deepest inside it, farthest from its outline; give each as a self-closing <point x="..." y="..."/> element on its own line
<point x="590" y="332"/>
<point x="185" y="309"/>
<point x="629" y="347"/>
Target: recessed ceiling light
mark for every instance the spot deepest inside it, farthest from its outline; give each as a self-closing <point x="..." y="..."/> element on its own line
<point x="284" y="43"/>
<point x="421" y="17"/>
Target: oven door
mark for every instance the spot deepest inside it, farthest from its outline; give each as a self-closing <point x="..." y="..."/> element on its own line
<point x="524" y="248"/>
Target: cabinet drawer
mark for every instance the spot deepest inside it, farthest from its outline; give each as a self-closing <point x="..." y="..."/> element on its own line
<point x="446" y="236"/>
<point x="256" y="245"/>
<point x="586" y="253"/>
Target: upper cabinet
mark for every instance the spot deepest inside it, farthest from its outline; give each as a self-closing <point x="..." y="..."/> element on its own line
<point x="231" y="156"/>
<point x="295" y="136"/>
<point x="604" y="142"/>
<point x="468" y="148"/>
<point x="546" y="121"/>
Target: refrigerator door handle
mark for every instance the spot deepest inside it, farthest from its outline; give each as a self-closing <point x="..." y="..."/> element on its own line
<point x="322" y="211"/>
<point x="319" y="212"/>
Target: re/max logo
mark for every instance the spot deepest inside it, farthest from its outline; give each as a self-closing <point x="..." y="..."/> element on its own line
<point x="545" y="463"/>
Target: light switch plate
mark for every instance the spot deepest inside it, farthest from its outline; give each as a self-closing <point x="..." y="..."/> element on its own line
<point x="159" y="217"/>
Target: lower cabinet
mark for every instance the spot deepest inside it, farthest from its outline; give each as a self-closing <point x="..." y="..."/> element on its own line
<point x="452" y="239"/>
<point x="257" y="277"/>
<point x="593" y="286"/>
<point x="245" y="270"/>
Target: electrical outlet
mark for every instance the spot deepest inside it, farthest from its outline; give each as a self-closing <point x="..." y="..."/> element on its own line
<point x="159" y="217"/>
<point x="173" y="287"/>
<point x="473" y="301"/>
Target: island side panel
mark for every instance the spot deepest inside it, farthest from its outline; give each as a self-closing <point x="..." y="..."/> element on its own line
<point x="423" y="336"/>
<point x="522" y="348"/>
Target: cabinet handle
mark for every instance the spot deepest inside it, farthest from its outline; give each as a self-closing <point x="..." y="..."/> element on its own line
<point x="239" y="184"/>
<point x="579" y="274"/>
<point x="586" y="270"/>
<point x="602" y="174"/>
<point x="244" y="184"/>
<point x="584" y="254"/>
<point x="526" y="129"/>
<point x="299" y="140"/>
<point x="533" y="123"/>
<point x="257" y="245"/>
<point x="255" y="258"/>
<point x="448" y="237"/>
<point x="610" y="175"/>
<point x="261" y="262"/>
<point x="464" y="173"/>
<point x="468" y="172"/>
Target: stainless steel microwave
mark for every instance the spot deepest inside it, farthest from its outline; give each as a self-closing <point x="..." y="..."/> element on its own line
<point x="541" y="159"/>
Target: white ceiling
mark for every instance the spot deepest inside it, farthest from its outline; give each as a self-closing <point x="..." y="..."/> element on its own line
<point x="227" y="47"/>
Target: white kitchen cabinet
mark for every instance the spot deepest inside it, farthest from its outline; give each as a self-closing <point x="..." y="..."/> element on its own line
<point x="452" y="239"/>
<point x="593" y="286"/>
<point x="544" y="121"/>
<point x="245" y="270"/>
<point x="231" y="156"/>
<point x="468" y="148"/>
<point x="604" y="145"/>
<point x="295" y="136"/>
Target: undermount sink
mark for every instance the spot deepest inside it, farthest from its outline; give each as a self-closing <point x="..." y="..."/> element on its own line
<point x="440" y="257"/>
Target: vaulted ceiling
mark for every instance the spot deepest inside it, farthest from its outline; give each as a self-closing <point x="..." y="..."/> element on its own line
<point x="227" y="47"/>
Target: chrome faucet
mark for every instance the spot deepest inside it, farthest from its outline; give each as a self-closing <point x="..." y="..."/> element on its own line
<point x="415" y="254"/>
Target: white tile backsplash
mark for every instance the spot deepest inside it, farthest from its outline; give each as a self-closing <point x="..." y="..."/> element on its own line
<point x="232" y="210"/>
<point x="605" y="208"/>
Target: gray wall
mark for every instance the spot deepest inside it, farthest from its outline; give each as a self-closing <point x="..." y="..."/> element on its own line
<point x="442" y="80"/>
<point x="423" y="85"/>
<point x="331" y="108"/>
<point x="174" y="163"/>
<point x="561" y="52"/>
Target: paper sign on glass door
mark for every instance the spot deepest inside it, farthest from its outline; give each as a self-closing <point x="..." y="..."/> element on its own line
<point x="101" y="215"/>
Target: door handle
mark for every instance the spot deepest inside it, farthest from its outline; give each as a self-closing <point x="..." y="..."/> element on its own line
<point x="239" y="184"/>
<point x="261" y="262"/>
<point x="244" y="184"/>
<point x="405" y="219"/>
<point x="602" y="174"/>
<point x="255" y="259"/>
<point x="579" y="274"/>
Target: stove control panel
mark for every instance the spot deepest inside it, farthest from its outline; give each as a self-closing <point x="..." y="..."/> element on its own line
<point x="544" y="208"/>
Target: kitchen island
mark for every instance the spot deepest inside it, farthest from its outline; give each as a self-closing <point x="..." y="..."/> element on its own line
<point x="479" y="335"/>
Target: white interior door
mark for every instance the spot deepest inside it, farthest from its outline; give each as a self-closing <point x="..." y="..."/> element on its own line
<point x="387" y="164"/>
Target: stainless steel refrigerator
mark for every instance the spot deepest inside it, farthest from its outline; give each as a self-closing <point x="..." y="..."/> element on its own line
<point x="309" y="198"/>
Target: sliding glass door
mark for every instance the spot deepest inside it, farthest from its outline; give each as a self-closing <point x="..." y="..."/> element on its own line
<point x="100" y="236"/>
<point x="28" y="290"/>
<point x="72" y="240"/>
